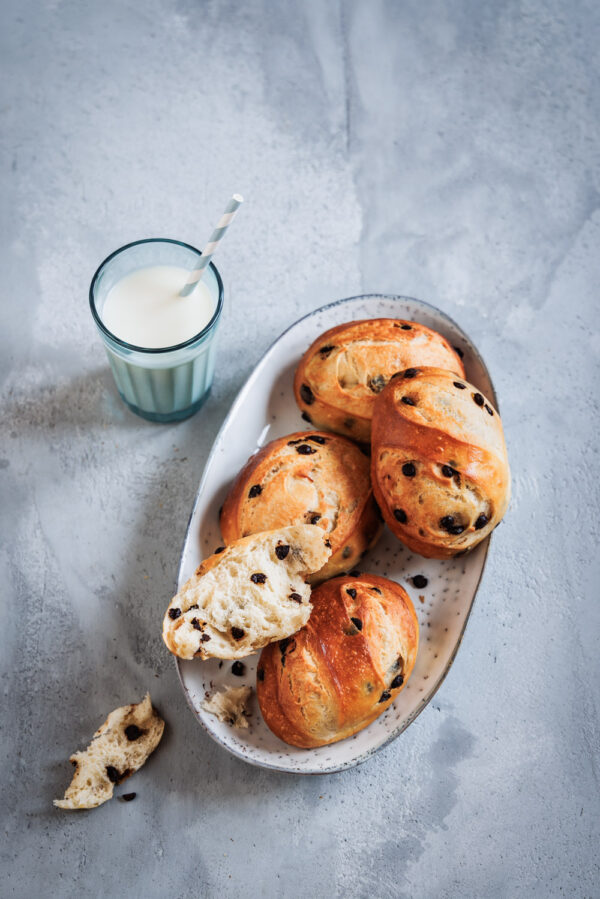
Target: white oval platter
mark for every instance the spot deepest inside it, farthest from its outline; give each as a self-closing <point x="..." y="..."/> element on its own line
<point x="263" y="410"/>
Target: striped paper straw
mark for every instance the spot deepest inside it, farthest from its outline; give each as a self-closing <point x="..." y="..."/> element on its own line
<point x="211" y="247"/>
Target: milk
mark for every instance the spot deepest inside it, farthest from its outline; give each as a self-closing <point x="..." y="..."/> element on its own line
<point x="144" y="308"/>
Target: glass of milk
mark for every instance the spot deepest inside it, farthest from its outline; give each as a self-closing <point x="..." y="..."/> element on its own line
<point x="161" y="347"/>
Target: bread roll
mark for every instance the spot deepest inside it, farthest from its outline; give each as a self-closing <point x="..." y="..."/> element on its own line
<point x="438" y="464"/>
<point x="250" y="593"/>
<point x="343" y="668"/>
<point x="307" y="478"/>
<point x="342" y="372"/>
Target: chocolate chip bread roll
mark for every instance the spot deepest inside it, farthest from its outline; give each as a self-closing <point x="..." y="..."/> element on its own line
<point x="310" y="477"/>
<point x="439" y="466"/>
<point x="346" y="665"/>
<point x="343" y="371"/>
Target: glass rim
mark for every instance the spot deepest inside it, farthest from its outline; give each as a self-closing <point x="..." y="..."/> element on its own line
<point x="154" y="350"/>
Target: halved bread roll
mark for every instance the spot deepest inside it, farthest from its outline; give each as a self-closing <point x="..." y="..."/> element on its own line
<point x="253" y="592"/>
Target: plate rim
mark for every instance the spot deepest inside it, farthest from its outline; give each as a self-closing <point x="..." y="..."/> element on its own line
<point x="363" y="757"/>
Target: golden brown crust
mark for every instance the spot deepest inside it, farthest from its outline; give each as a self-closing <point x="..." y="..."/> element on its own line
<point x="310" y="477"/>
<point x="342" y="372"/>
<point x="344" y="667"/>
<point x="438" y="465"/>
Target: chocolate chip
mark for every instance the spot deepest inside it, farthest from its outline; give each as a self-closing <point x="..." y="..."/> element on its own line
<point x="132" y="732"/>
<point x="408" y="401"/>
<point x="281" y="551"/>
<point x="174" y="613"/>
<point x="307" y="395"/>
<point x="219" y="549"/>
<point x="206" y="637"/>
<point x="306" y="417"/>
<point x="258" y="577"/>
<point x="351" y="592"/>
<point x="239" y="669"/>
<point x="400" y="515"/>
<point x="255" y="490"/>
<point x="385" y="696"/>
<point x="128" y="797"/>
<point x="397" y="682"/>
<point x="295" y="442"/>
<point x="489" y="409"/>
<point x="458" y="352"/>
<point x="236" y="632"/>
<point x="316" y="438"/>
<point x="195" y="606"/>
<point x="112" y="774"/>
<point x="419" y="581"/>
<point x="347" y="551"/>
<point x="448" y="471"/>
<point x="376" y="383"/>
<point x="448" y="524"/>
<point x="314" y="517"/>
<point x="196" y="624"/>
<point x="478" y="399"/>
<point x="409" y="470"/>
<point x="283" y="644"/>
<point x="481" y="522"/>
<point x="326" y="350"/>
<point x="260" y="674"/>
<point x="357" y="623"/>
<point x="305" y="450"/>
<point x="296" y="597"/>
<point x="411" y="372"/>
<point x="328" y="544"/>
<point x="406" y="327"/>
<point x="459" y="385"/>
<point x="376" y="590"/>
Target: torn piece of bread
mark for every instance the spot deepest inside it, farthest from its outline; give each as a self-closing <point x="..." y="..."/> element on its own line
<point x="231" y="706"/>
<point x="119" y="747"/>
<point x="251" y="593"/>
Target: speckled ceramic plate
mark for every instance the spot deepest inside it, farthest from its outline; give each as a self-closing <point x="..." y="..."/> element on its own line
<point x="265" y="409"/>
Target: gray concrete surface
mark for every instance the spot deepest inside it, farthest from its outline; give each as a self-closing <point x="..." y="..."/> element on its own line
<point x="447" y="150"/>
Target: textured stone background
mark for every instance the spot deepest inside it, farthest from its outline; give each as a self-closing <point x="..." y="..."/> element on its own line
<point x="447" y="150"/>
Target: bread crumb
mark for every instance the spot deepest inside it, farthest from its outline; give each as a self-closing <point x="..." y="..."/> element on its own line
<point x="231" y="706"/>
